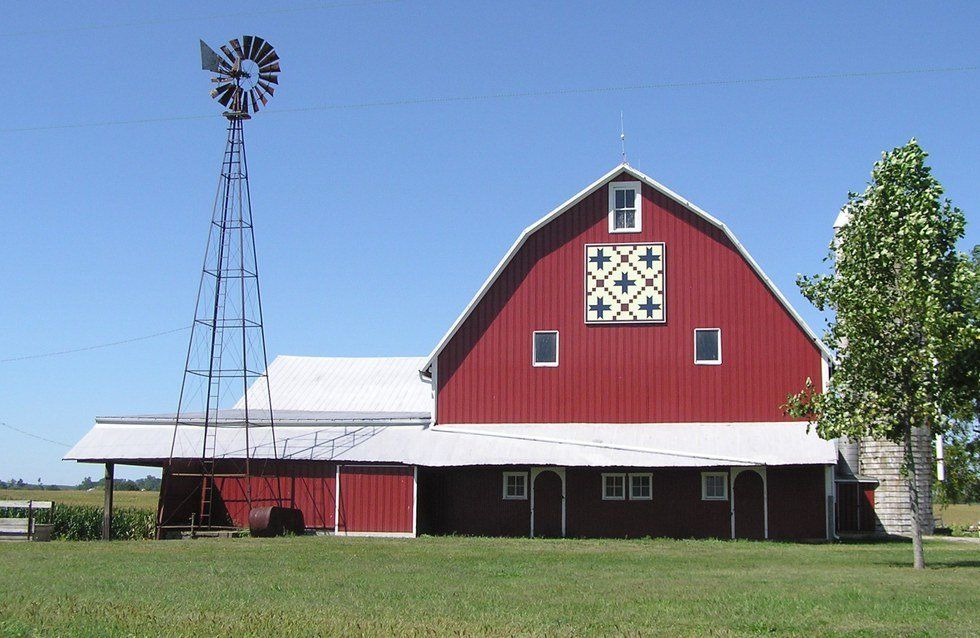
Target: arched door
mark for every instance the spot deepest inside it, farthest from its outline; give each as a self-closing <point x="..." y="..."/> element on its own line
<point x="547" y="504"/>
<point x="748" y="496"/>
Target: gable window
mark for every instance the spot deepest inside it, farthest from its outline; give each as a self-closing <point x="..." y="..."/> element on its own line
<point x="641" y="487"/>
<point x="515" y="486"/>
<point x="613" y="487"/>
<point x="714" y="486"/>
<point x="707" y="346"/>
<point x="545" y="349"/>
<point x="625" y="207"/>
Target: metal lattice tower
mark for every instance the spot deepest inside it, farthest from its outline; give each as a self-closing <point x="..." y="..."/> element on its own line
<point x="227" y="355"/>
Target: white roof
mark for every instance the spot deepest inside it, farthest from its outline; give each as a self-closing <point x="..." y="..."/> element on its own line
<point x="343" y="384"/>
<point x="562" y="444"/>
<point x="530" y="230"/>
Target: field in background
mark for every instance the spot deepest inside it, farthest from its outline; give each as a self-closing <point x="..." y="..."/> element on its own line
<point x="142" y="500"/>
<point x="305" y="586"/>
<point x="962" y="515"/>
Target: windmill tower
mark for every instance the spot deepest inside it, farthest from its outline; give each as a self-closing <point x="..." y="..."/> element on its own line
<point x="227" y="352"/>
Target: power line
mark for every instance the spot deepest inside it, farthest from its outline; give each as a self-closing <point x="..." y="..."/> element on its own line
<point x="223" y="16"/>
<point x="95" y="347"/>
<point x="33" y="436"/>
<point x="523" y="94"/>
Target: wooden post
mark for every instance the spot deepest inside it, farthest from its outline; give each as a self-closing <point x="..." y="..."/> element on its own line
<point x="107" y="511"/>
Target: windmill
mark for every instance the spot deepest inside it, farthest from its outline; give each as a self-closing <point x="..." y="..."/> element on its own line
<point x="227" y="352"/>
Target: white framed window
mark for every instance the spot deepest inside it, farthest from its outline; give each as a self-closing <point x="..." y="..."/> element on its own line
<point x="714" y="486"/>
<point x="707" y="346"/>
<point x="515" y="486"/>
<point x="641" y="487"/>
<point x="544" y="349"/>
<point x="613" y="487"/>
<point x="625" y="207"/>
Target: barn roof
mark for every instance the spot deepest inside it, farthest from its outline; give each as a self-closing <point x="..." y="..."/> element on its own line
<point x="343" y="384"/>
<point x="563" y="444"/>
<point x="591" y="188"/>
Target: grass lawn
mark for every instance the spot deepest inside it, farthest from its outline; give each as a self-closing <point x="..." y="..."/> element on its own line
<point x="143" y="500"/>
<point x="328" y="586"/>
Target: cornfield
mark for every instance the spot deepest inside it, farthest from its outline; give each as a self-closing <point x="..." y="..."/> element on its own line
<point x="84" y="522"/>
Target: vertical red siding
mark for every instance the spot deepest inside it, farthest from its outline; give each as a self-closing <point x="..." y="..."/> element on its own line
<point x="306" y="485"/>
<point x="625" y="373"/>
<point x="376" y="498"/>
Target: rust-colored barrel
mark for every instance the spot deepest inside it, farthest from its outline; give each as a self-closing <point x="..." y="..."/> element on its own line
<point x="275" y="521"/>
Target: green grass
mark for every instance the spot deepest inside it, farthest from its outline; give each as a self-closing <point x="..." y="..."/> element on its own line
<point x="141" y="500"/>
<point x="325" y="586"/>
<point x="964" y="515"/>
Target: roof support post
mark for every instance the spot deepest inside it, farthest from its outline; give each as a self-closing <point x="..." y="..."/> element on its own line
<point x="107" y="509"/>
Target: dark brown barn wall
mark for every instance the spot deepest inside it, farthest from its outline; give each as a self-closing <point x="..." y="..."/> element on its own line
<point x="797" y="502"/>
<point x="676" y="509"/>
<point x="469" y="501"/>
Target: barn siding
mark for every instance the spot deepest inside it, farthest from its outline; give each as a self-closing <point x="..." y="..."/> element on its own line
<point x="375" y="498"/>
<point x="306" y="485"/>
<point x="797" y="502"/>
<point x="469" y="501"/>
<point x="641" y="373"/>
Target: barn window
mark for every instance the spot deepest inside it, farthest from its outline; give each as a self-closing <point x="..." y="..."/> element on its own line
<point x="641" y="487"/>
<point x="707" y="346"/>
<point x="545" y="348"/>
<point x="625" y="207"/>
<point x="714" y="486"/>
<point x="613" y="487"/>
<point x="515" y="486"/>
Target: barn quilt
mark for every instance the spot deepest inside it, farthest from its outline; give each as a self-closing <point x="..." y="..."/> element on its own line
<point x="624" y="283"/>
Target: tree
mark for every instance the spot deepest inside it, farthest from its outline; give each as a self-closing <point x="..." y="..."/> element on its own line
<point x="901" y="325"/>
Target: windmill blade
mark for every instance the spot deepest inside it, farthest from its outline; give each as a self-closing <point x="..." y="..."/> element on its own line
<point x="267" y="88"/>
<point x="237" y="46"/>
<point x="228" y="52"/>
<point x="257" y="44"/>
<point x="247" y="46"/>
<point x="210" y="60"/>
<point x="225" y="95"/>
<point x="255" y="104"/>
<point x="263" y="51"/>
<point x="272" y="67"/>
<point x="272" y="56"/>
<point x="261" y="95"/>
<point x="269" y="77"/>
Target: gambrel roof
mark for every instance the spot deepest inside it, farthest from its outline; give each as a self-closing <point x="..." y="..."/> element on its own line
<point x="591" y="188"/>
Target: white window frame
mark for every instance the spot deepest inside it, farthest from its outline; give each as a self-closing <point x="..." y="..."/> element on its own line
<point x="629" y="487"/>
<point x="704" y="486"/>
<point x="707" y="362"/>
<point x="534" y="349"/>
<point x="508" y="497"/>
<point x="637" y="204"/>
<point x="606" y="475"/>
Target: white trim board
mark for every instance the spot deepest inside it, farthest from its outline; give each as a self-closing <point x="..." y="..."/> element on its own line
<point x="588" y="190"/>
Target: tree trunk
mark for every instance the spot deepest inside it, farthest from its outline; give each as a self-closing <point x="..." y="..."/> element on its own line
<point x="911" y="478"/>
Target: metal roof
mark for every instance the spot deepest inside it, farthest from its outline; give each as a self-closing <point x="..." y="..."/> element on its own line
<point x="622" y="168"/>
<point x="343" y="384"/>
<point x="563" y="444"/>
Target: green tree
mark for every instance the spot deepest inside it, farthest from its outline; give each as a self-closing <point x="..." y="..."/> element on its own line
<point x="900" y="294"/>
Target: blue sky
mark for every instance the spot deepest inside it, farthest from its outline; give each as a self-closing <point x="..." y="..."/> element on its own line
<point x="375" y="225"/>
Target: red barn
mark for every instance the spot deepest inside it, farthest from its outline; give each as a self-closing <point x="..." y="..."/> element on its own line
<point x="620" y="373"/>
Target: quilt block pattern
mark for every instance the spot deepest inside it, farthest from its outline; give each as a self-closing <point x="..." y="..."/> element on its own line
<point x="624" y="283"/>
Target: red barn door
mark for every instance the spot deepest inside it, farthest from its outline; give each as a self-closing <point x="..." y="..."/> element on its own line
<point x="376" y="499"/>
